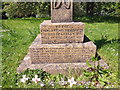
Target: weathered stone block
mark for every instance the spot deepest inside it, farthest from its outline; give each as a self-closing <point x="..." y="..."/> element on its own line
<point x="61" y="11"/>
<point x="61" y="53"/>
<point x="72" y="32"/>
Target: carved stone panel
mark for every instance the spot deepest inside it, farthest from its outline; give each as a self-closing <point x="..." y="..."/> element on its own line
<point x="61" y="11"/>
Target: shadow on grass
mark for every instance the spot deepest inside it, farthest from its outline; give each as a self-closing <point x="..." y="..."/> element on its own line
<point x="98" y="19"/>
<point x="103" y="41"/>
<point x="99" y="43"/>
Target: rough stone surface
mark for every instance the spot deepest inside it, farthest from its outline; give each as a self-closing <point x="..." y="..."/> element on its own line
<point x="61" y="11"/>
<point x="55" y="68"/>
<point x="61" y="53"/>
<point x="72" y="32"/>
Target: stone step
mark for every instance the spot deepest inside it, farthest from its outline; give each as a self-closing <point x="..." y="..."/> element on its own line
<point x="55" y="68"/>
<point x="61" y="53"/>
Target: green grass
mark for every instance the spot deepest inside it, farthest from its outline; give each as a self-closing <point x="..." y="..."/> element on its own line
<point x="18" y="34"/>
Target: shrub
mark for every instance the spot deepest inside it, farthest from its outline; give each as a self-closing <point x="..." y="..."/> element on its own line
<point x="26" y="9"/>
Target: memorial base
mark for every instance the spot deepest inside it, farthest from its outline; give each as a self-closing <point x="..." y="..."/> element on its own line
<point x="57" y="59"/>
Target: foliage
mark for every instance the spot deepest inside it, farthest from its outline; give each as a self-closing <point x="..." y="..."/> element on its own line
<point x="97" y="74"/>
<point x="26" y="9"/>
<point x="42" y="9"/>
<point x="99" y="8"/>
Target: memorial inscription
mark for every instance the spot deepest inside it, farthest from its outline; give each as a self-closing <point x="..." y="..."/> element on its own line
<point x="61" y="33"/>
<point x="61" y="55"/>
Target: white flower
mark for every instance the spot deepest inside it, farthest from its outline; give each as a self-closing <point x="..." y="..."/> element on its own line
<point x="41" y="84"/>
<point x="26" y="58"/>
<point x="7" y="14"/>
<point x="88" y="82"/>
<point x="36" y="79"/>
<point x="24" y="79"/>
<point x="51" y="83"/>
<point x="62" y="82"/>
<point x="37" y="16"/>
<point x="107" y="87"/>
<point x="16" y="83"/>
<point x="71" y="81"/>
<point x="8" y="73"/>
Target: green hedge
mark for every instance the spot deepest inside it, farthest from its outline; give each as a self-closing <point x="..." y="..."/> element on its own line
<point x="42" y="9"/>
<point x="26" y="9"/>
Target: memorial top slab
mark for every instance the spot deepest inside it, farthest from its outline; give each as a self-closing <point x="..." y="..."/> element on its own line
<point x="48" y="22"/>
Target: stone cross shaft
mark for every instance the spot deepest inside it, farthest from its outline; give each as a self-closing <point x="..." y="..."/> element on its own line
<point x="61" y="11"/>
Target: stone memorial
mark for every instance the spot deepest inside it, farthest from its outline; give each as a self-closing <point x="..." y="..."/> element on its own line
<point x="61" y="44"/>
<point x="61" y="11"/>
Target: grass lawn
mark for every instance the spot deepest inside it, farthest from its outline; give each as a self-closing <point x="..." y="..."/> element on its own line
<point x="18" y="34"/>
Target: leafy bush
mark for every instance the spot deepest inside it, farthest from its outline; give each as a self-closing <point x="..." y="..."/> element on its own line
<point x="42" y="9"/>
<point x="99" y="8"/>
<point x="26" y="9"/>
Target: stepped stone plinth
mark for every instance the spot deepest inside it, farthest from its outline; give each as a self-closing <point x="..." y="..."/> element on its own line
<point x="62" y="43"/>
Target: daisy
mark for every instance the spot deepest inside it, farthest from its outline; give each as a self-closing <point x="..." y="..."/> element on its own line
<point x="24" y="79"/>
<point x="71" y="81"/>
<point x="36" y="79"/>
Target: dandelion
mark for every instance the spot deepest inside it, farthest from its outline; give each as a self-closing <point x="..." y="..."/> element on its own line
<point x="24" y="79"/>
<point x="36" y="79"/>
<point x="62" y="82"/>
<point x="71" y="81"/>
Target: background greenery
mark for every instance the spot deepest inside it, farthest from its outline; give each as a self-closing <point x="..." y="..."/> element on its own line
<point x="42" y="9"/>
